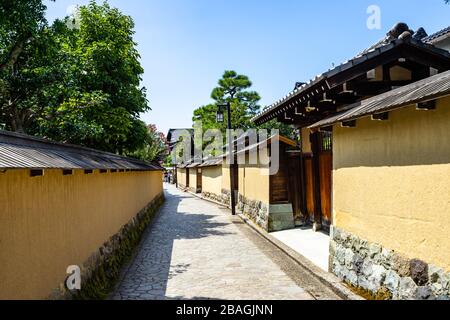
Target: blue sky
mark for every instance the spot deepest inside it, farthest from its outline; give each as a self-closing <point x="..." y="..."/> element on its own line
<point x="187" y="44"/>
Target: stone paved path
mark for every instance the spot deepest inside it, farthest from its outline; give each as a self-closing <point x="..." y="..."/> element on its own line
<point x="196" y="250"/>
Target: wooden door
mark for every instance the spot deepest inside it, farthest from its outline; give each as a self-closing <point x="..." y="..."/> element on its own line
<point x="199" y="180"/>
<point x="309" y="187"/>
<point x="325" y="168"/>
<point x="187" y="178"/>
<point x="295" y="176"/>
<point x="279" y="183"/>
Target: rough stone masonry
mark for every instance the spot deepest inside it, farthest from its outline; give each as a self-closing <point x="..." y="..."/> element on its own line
<point x="371" y="267"/>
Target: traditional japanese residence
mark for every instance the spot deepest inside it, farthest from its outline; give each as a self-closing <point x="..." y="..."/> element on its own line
<point x="194" y="174"/>
<point x="213" y="179"/>
<point x="269" y="200"/>
<point x="375" y="163"/>
<point x="440" y="39"/>
<point x="175" y="139"/>
<point x="65" y="205"/>
<point x="391" y="188"/>
<point x="182" y="174"/>
<point x="398" y="60"/>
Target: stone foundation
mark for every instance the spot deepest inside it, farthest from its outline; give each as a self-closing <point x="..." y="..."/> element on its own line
<point x="224" y="198"/>
<point x="256" y="211"/>
<point x="100" y="272"/>
<point x="384" y="273"/>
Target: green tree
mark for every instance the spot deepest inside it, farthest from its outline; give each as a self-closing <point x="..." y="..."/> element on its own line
<point x="76" y="81"/>
<point x="20" y="20"/>
<point x="107" y="73"/>
<point x="28" y="75"/>
<point x="234" y="88"/>
<point x="155" y="148"/>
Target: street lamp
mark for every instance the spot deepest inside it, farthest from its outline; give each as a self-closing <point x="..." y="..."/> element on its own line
<point x="220" y="116"/>
<point x="233" y="167"/>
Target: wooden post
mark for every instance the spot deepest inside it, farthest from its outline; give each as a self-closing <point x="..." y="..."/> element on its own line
<point x="315" y="146"/>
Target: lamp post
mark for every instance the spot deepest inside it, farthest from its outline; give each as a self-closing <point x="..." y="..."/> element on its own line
<point x="220" y="119"/>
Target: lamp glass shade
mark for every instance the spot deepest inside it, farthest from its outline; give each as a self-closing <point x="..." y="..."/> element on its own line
<point x="220" y="116"/>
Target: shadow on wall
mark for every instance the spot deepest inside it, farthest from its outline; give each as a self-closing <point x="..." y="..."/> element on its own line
<point x="213" y="174"/>
<point x="148" y="275"/>
<point x="408" y="138"/>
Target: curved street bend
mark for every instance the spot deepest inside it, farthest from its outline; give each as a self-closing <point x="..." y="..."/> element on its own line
<point x="196" y="250"/>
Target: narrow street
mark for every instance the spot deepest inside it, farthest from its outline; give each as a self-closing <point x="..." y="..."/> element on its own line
<point x="196" y="250"/>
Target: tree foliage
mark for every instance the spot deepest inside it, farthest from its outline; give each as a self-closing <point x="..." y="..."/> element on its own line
<point x="155" y="148"/>
<point x="234" y="88"/>
<point x="75" y="81"/>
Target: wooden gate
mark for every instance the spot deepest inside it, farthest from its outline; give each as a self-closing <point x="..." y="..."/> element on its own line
<point x="199" y="180"/>
<point x="325" y="164"/>
<point x="296" y="191"/>
<point x="318" y="168"/>
<point x="187" y="178"/>
<point x="309" y="186"/>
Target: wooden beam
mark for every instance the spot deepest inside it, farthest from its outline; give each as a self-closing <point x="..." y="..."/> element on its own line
<point x="325" y="99"/>
<point x="427" y="105"/>
<point x="349" y="124"/>
<point x="36" y="173"/>
<point x="326" y="129"/>
<point x="345" y="89"/>
<point x="381" y="116"/>
<point x="315" y="145"/>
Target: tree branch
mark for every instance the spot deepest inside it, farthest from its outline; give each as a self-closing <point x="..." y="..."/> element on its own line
<point x="14" y="54"/>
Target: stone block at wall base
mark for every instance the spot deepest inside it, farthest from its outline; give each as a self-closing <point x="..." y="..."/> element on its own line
<point x="223" y="198"/>
<point x="255" y="210"/>
<point x="382" y="272"/>
<point x="281" y="217"/>
<point x="100" y="272"/>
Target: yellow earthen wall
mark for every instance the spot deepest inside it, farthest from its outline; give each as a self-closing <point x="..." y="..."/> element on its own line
<point x="391" y="182"/>
<point x="212" y="180"/>
<point x="48" y="223"/>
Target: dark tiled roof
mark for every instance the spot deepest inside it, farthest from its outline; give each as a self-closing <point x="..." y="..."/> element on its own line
<point x="391" y="41"/>
<point x="212" y="162"/>
<point x="19" y="151"/>
<point x="434" y="36"/>
<point x="424" y="90"/>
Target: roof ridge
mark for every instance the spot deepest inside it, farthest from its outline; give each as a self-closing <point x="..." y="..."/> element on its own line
<point x="408" y="91"/>
<point x="437" y="34"/>
<point x="21" y="139"/>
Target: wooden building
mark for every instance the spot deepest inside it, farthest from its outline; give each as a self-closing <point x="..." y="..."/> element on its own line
<point x="375" y="163"/>
<point x="270" y="200"/>
<point x="64" y="205"/>
<point x="213" y="180"/>
<point x="194" y="174"/>
<point x="398" y="60"/>
<point x="182" y="174"/>
<point x="391" y="191"/>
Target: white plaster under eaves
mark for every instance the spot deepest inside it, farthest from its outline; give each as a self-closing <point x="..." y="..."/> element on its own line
<point x="314" y="246"/>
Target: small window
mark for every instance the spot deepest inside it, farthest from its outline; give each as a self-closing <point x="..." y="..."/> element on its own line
<point x="103" y="171"/>
<point x="67" y="172"/>
<point x="121" y="170"/>
<point x="36" y="173"/>
<point x="113" y="171"/>
<point x="88" y="171"/>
